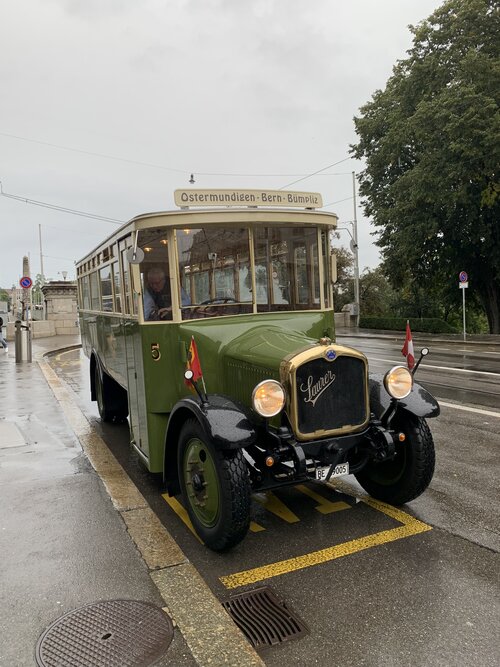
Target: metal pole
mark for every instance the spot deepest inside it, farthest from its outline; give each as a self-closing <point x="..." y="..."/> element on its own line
<point x="355" y="240"/>
<point x="463" y="309"/>
<point x="41" y="256"/>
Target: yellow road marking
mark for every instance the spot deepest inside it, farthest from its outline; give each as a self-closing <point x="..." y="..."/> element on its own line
<point x="255" y="527"/>
<point x="181" y="513"/>
<point x="273" y="504"/>
<point x="325" y="506"/>
<point x="411" y="526"/>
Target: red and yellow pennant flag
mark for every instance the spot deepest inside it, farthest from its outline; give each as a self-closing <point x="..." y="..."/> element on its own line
<point x="407" y="350"/>
<point x="193" y="363"/>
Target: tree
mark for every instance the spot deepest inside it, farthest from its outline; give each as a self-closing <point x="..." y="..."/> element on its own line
<point x="343" y="289"/>
<point x="37" y="289"/>
<point x="430" y="143"/>
<point x="375" y="293"/>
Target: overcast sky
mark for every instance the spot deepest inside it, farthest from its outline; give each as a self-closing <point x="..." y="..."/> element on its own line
<point x="108" y="106"/>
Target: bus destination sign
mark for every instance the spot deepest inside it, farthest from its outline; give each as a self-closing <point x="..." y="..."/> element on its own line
<point x="284" y="198"/>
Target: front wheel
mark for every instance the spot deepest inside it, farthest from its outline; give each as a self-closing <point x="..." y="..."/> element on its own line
<point x="216" y="488"/>
<point x="409" y="473"/>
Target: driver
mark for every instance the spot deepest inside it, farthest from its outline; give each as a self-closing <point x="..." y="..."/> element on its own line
<point x="157" y="299"/>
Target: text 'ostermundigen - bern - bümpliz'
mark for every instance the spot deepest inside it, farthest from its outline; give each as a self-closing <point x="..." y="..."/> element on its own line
<point x="248" y="198"/>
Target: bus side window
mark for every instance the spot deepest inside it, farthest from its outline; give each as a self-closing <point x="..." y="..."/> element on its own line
<point x="127" y="294"/>
<point x="117" y="287"/>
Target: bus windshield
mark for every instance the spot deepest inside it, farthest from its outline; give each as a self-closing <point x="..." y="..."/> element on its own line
<point x="234" y="270"/>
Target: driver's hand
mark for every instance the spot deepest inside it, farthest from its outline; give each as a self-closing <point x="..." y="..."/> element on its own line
<point x="164" y="313"/>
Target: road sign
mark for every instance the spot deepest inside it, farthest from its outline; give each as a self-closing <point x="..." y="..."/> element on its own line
<point x="463" y="277"/>
<point x="463" y="285"/>
<point x="26" y="282"/>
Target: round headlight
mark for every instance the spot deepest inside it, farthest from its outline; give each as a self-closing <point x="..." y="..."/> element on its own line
<point x="268" y="398"/>
<point x="398" y="382"/>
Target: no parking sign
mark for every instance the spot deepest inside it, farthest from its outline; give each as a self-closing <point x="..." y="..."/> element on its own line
<point x="26" y="282"/>
<point x="463" y="284"/>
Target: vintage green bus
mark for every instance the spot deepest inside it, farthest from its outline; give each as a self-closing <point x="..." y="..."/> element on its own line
<point x="239" y="282"/>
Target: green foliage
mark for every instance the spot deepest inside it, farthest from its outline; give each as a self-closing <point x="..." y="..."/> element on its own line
<point x="430" y="144"/>
<point x="343" y="289"/>
<point x="376" y="295"/>
<point x="424" y="325"/>
<point x="475" y="322"/>
<point x="37" y="289"/>
<point x="4" y="296"/>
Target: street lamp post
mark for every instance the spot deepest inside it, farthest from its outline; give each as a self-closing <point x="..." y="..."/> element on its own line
<point x="355" y="249"/>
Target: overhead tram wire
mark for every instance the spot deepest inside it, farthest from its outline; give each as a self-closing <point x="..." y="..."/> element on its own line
<point x="315" y="173"/>
<point x="160" y="166"/>
<point x="63" y="209"/>
<point x="338" y="201"/>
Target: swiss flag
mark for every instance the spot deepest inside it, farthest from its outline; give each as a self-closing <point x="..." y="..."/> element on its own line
<point x="407" y="350"/>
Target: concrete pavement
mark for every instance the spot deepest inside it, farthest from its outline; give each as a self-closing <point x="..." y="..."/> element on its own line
<point x="75" y="530"/>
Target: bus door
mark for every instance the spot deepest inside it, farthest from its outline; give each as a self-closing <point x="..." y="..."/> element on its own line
<point x="135" y="384"/>
<point x="133" y="352"/>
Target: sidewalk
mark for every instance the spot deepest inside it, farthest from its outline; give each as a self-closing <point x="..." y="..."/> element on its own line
<point x="63" y="544"/>
<point x="424" y="338"/>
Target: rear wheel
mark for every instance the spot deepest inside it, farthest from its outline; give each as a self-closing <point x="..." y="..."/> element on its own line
<point x="216" y="488"/>
<point x="409" y="473"/>
<point x="111" y="398"/>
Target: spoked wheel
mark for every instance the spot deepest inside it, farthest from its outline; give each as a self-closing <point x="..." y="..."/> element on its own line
<point x="216" y="488"/>
<point x="409" y="473"/>
<point x="111" y="398"/>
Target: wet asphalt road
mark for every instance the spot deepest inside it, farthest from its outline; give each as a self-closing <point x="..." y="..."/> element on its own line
<point x="430" y="598"/>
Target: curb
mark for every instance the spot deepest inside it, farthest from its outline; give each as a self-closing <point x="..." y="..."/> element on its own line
<point x="209" y="632"/>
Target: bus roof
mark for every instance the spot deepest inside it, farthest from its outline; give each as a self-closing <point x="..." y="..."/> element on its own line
<point x="276" y="206"/>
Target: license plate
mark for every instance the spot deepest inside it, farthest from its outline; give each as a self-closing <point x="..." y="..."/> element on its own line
<point x="339" y="470"/>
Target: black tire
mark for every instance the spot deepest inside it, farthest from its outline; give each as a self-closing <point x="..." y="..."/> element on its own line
<point x="216" y="488"/>
<point x="111" y="398"/>
<point x="407" y="475"/>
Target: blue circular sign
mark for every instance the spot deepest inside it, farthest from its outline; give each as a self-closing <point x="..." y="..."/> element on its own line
<point x="26" y="282"/>
<point x="330" y="355"/>
<point x="463" y="277"/>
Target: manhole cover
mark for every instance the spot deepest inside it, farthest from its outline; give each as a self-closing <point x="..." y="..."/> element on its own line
<point x="116" y="633"/>
<point x="263" y="618"/>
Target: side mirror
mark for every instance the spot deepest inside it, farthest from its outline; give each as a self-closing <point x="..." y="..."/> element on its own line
<point x="423" y="353"/>
<point x="135" y="255"/>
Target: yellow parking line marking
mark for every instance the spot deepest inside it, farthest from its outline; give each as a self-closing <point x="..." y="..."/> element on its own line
<point x="273" y="504"/>
<point x="256" y="527"/>
<point x="181" y="513"/>
<point x="411" y="526"/>
<point x="325" y="506"/>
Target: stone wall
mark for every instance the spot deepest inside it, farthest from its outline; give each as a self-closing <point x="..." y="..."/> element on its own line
<point x="61" y="306"/>
<point x="39" y="329"/>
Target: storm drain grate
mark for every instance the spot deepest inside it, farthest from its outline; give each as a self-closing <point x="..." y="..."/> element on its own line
<point x="116" y="633"/>
<point x="263" y="618"/>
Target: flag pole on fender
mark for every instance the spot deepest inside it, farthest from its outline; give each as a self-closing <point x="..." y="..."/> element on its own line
<point x="407" y="349"/>
<point x="193" y="371"/>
